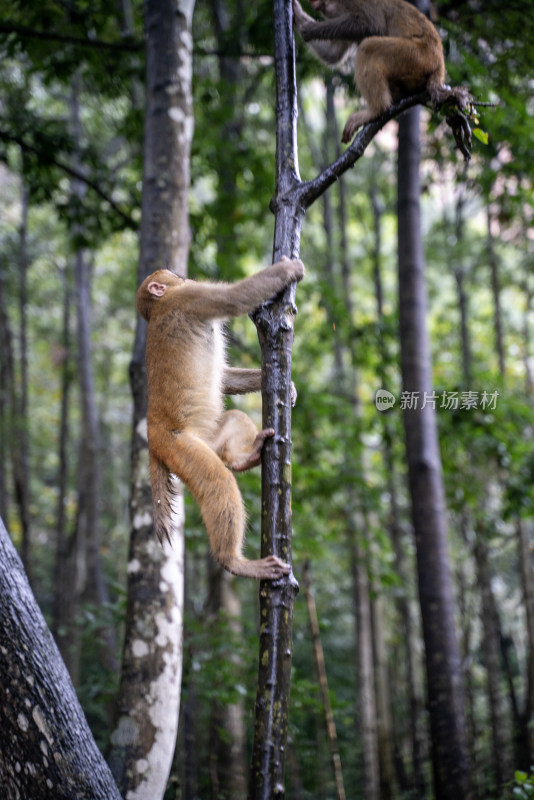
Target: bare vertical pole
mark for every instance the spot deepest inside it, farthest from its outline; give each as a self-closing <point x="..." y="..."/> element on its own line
<point x="274" y="322"/>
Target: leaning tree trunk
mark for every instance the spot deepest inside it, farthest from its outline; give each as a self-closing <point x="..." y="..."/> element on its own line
<point x="144" y="738"/>
<point x="47" y="751"/>
<point x="443" y="665"/>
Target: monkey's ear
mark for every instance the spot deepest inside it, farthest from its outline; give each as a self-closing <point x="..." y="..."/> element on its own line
<point x="157" y="289"/>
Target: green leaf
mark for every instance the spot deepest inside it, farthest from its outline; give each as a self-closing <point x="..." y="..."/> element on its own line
<point x="481" y="135"/>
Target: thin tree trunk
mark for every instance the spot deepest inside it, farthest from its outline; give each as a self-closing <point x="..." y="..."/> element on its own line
<point x="65" y="594"/>
<point x="496" y="292"/>
<point x="88" y="525"/>
<point x="414" y="695"/>
<point x="367" y="722"/>
<point x="333" y="136"/>
<point x="228" y="751"/>
<point x="463" y="303"/>
<point x="15" y="393"/>
<point x="443" y="665"/>
<point x="233" y="105"/>
<point x="384" y="720"/>
<point x="466" y="616"/>
<point x="525" y="330"/>
<point x="521" y="739"/>
<point x="190" y="753"/>
<point x="90" y="579"/>
<point x="275" y="332"/>
<point x="414" y="690"/>
<point x="500" y="736"/>
<point x="22" y="473"/>
<point x="527" y="587"/>
<point x="46" y="748"/>
<point x="6" y="378"/>
<point x="143" y="741"/>
<point x="323" y="685"/>
<point x="188" y="763"/>
<point x="500" y="733"/>
<point x="295" y="778"/>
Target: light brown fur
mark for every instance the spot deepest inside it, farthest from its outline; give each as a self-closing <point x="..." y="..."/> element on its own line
<point x="399" y="51"/>
<point x="189" y="433"/>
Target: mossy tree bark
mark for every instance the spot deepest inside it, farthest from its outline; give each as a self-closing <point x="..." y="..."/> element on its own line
<point x="46" y="748"/>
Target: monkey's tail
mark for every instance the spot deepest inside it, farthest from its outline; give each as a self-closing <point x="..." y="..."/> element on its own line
<point x="162" y="495"/>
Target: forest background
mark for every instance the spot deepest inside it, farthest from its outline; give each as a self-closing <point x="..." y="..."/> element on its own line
<point x="71" y="134"/>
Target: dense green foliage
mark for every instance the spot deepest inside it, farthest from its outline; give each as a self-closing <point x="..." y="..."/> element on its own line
<point x="348" y="457"/>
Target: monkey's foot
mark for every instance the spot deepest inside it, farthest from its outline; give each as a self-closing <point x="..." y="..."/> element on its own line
<point x="451" y="96"/>
<point x="263" y="569"/>
<point x="457" y="104"/>
<point x="354" y="122"/>
<point x="252" y="458"/>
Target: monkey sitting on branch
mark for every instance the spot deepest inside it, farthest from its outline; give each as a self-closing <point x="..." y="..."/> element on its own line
<point x="399" y="54"/>
<point x="189" y="433"/>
